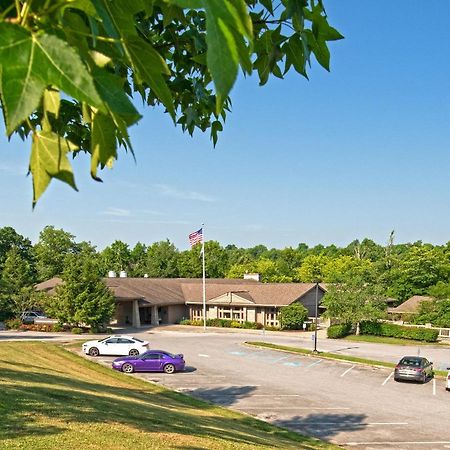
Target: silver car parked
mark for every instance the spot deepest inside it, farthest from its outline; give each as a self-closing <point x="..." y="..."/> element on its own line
<point x="414" y="368"/>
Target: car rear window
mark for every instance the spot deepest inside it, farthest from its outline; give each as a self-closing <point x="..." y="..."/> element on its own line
<point x="411" y="362"/>
<point x="138" y="340"/>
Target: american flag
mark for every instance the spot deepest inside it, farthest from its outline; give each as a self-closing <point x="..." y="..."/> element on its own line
<point x="196" y="236"/>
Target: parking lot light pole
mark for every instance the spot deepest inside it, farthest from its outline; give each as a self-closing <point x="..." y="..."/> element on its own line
<point x="315" y="323"/>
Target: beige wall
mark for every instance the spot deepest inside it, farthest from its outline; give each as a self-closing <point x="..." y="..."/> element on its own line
<point x="124" y="310"/>
<point x="177" y="313"/>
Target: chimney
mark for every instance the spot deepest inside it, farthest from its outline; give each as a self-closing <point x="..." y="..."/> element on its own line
<point x="112" y="274"/>
<point x="252" y="276"/>
<point x="122" y="274"/>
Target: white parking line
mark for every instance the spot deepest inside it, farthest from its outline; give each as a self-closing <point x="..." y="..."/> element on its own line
<point x="434" y="386"/>
<point x="348" y="370"/>
<point x="313" y="364"/>
<point x="203" y="355"/>
<point x="387" y="379"/>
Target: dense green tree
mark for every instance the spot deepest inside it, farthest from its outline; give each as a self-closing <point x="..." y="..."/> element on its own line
<point x="418" y="269"/>
<point x="354" y="301"/>
<point x="9" y="238"/>
<point x="436" y="312"/>
<point x="337" y="270"/>
<point x="116" y="257"/>
<point x="190" y="263"/>
<point x="17" y="272"/>
<point x="441" y="290"/>
<point x="162" y="260"/>
<point x="138" y="260"/>
<point x="312" y="268"/>
<point x="70" y="68"/>
<point x="50" y="251"/>
<point x="82" y="298"/>
<point x="292" y="316"/>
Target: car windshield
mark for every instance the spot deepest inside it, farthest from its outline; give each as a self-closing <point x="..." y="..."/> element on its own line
<point x="415" y="362"/>
<point x="104" y="339"/>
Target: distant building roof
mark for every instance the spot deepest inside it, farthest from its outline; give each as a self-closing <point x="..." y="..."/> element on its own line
<point x="410" y="306"/>
<point x="171" y="291"/>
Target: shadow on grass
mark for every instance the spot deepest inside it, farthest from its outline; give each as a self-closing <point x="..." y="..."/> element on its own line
<point x="225" y="396"/>
<point x="46" y="395"/>
<point x="324" y="426"/>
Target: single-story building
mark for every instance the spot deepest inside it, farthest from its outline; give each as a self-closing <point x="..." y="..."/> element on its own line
<point x="168" y="300"/>
<point x="410" y="306"/>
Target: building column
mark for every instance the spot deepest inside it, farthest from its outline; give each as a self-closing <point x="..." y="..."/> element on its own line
<point x="155" y="316"/>
<point x="136" y="322"/>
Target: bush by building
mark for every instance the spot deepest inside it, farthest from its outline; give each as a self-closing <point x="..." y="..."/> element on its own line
<point x="339" y="331"/>
<point x="398" y="331"/>
<point x="292" y="316"/>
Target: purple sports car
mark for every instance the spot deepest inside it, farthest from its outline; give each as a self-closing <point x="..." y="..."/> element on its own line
<point x="150" y="361"/>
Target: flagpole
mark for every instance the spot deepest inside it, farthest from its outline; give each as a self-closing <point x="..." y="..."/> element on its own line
<point x="204" y="277"/>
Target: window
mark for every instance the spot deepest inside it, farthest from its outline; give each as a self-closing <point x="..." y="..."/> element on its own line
<point x="196" y="313"/>
<point x="112" y="341"/>
<point x="125" y="341"/>
<point x="152" y="356"/>
<point x="272" y="317"/>
<point x="224" y="313"/>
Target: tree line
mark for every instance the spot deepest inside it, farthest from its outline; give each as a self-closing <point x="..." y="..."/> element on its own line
<point x="396" y="270"/>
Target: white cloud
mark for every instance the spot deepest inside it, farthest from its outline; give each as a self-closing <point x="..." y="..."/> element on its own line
<point x="12" y="169"/>
<point x="170" y="191"/>
<point x="116" y="212"/>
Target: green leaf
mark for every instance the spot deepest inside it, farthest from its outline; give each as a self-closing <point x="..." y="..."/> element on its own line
<point x="187" y="4"/>
<point x="150" y="68"/>
<point x="227" y="23"/>
<point x="31" y="62"/>
<point x="103" y="143"/>
<point x="49" y="160"/>
<point x="52" y="101"/>
<point x="295" y="55"/>
<point x="110" y="88"/>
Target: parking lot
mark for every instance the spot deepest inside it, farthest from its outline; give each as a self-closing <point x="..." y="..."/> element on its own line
<point x="351" y="405"/>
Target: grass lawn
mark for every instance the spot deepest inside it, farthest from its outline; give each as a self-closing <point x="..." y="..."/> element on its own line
<point x="387" y="340"/>
<point x="51" y="398"/>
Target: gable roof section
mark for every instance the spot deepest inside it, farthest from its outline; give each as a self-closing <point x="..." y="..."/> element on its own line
<point x="233" y="298"/>
<point x="412" y="305"/>
<point x="275" y="294"/>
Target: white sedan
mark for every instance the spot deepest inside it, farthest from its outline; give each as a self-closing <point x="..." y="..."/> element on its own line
<point x="116" y="345"/>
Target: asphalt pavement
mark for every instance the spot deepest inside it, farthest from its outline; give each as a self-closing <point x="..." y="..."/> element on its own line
<point x="353" y="405"/>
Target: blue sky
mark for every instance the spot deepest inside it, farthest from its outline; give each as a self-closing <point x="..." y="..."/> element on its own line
<point x="349" y="154"/>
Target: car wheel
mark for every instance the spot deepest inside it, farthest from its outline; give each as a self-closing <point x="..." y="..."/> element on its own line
<point x="133" y="352"/>
<point x="127" y="368"/>
<point x="93" y="351"/>
<point x="169" y="368"/>
<point x="424" y="378"/>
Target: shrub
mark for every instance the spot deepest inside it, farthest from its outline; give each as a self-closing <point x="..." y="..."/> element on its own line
<point x="339" y="331"/>
<point x="185" y="322"/>
<point x="293" y="316"/>
<point x="398" y="331"/>
<point x="13" y="324"/>
<point x="271" y="328"/>
<point x="58" y="327"/>
<point x="76" y="330"/>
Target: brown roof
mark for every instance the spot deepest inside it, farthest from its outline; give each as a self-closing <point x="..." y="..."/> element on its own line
<point x="410" y="306"/>
<point x="276" y="294"/>
<point x="49" y="285"/>
<point x="170" y="291"/>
